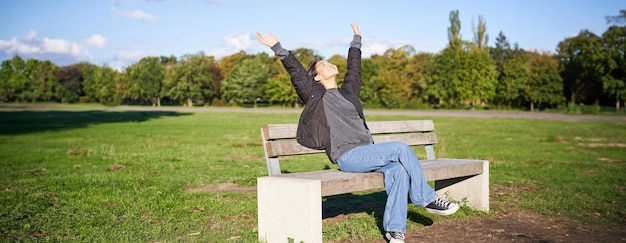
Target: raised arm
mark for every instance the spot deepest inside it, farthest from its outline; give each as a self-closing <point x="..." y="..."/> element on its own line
<point x="304" y="85"/>
<point x="352" y="80"/>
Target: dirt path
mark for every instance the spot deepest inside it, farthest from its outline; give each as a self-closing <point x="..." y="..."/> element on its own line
<point x="511" y="225"/>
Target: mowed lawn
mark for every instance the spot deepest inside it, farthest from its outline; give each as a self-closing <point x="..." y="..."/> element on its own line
<point x="161" y="176"/>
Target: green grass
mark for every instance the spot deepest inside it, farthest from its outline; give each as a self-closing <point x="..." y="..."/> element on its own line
<point x="107" y="176"/>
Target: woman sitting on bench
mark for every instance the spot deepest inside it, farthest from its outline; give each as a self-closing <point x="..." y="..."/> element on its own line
<point x="333" y="120"/>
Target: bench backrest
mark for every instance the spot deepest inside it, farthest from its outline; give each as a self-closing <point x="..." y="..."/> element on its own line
<point x="280" y="139"/>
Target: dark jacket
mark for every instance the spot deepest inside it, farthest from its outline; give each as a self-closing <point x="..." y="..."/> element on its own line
<point x="313" y="131"/>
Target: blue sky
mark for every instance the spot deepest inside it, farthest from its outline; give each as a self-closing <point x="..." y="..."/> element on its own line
<point x="117" y="33"/>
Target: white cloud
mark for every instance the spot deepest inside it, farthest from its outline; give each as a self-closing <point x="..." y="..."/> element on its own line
<point x="135" y="14"/>
<point x="219" y="53"/>
<point x="33" y="47"/>
<point x="240" y="42"/>
<point x="375" y="48"/>
<point x="117" y="65"/>
<point x="97" y="40"/>
<point x="130" y="55"/>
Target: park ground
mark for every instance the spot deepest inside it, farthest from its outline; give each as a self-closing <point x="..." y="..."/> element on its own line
<point x="505" y="223"/>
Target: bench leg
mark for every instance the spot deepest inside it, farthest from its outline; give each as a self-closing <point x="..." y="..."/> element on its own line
<point x="289" y="209"/>
<point x="474" y="188"/>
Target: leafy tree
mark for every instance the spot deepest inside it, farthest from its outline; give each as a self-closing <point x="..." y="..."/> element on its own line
<point x="503" y="52"/>
<point x="481" y="38"/>
<point x="192" y="78"/>
<point x="513" y="73"/>
<point x="614" y="80"/>
<point x="227" y="63"/>
<point x="273" y="64"/>
<point x="416" y="69"/>
<point x="69" y="79"/>
<point x="210" y="88"/>
<point x="454" y="31"/>
<point x="370" y="86"/>
<point x="99" y="85"/>
<point x="441" y="86"/>
<point x="475" y="76"/>
<point x="545" y="84"/>
<point x="245" y="82"/>
<point x="44" y="85"/>
<point x="462" y="72"/>
<point x="122" y="86"/>
<point x="13" y="79"/>
<point x="512" y="82"/>
<point x="146" y="79"/>
<point x="279" y="90"/>
<point x="399" y="77"/>
<point x="581" y="59"/>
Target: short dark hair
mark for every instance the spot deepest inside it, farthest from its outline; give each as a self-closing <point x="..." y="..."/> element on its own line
<point x="312" y="72"/>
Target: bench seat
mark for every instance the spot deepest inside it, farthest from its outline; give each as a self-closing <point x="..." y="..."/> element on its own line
<point x="335" y="182"/>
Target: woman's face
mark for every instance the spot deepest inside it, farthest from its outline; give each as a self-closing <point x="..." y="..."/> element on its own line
<point x="325" y="70"/>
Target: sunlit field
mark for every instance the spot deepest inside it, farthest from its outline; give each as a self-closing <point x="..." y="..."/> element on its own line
<point x="163" y="176"/>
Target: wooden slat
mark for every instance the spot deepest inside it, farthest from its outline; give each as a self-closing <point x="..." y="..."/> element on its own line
<point x="408" y="138"/>
<point x="401" y="126"/>
<point x="279" y="131"/>
<point x="287" y="131"/>
<point x="288" y="147"/>
<point x="335" y="182"/>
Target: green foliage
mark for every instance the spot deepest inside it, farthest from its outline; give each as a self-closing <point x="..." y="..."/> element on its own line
<point x="581" y="58"/>
<point x="614" y="80"/>
<point x="146" y="79"/>
<point x="69" y="79"/>
<point x="279" y="90"/>
<point x="545" y="86"/>
<point x="99" y="84"/>
<point x="246" y="82"/>
<point x="193" y="78"/>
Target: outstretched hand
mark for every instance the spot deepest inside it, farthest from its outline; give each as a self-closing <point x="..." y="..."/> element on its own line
<point x="268" y="40"/>
<point x="355" y="28"/>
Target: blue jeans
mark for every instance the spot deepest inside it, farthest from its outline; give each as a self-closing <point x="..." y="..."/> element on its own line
<point x="403" y="175"/>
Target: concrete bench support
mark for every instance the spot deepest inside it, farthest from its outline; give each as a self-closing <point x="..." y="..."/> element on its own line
<point x="474" y="189"/>
<point x="289" y="209"/>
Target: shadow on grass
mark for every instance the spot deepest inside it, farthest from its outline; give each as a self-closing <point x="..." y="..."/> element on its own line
<point x="23" y="122"/>
<point x="372" y="204"/>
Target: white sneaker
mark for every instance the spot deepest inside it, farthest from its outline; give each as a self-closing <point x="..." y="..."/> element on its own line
<point x="442" y="207"/>
<point x="394" y="237"/>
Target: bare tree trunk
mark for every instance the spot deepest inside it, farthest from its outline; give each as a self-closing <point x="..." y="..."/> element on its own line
<point x="189" y="102"/>
<point x="532" y="106"/>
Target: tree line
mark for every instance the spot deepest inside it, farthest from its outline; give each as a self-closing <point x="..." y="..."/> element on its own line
<point x="585" y="69"/>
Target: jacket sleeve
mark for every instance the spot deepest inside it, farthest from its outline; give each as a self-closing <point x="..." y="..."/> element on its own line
<point x="305" y="86"/>
<point x="352" y="80"/>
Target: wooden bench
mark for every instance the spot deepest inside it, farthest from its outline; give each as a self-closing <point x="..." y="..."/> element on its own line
<point x="290" y="205"/>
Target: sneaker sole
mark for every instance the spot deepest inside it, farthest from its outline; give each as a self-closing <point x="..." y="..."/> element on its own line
<point x="444" y="212"/>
